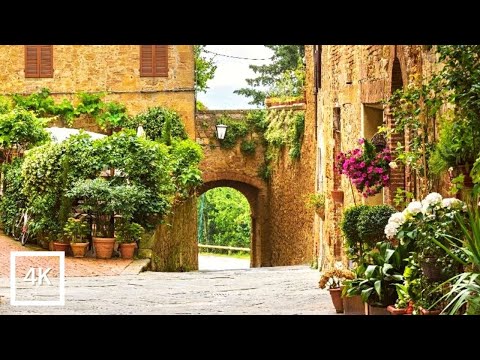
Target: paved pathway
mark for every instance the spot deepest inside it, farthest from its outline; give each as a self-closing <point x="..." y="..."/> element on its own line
<point x="279" y="290"/>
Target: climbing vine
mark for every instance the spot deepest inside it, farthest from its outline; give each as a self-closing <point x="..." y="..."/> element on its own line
<point x="108" y="115"/>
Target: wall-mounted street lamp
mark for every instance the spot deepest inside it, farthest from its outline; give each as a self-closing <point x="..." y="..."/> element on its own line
<point x="221" y="130"/>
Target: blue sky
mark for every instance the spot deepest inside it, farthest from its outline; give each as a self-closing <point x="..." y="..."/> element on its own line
<point x="231" y="75"/>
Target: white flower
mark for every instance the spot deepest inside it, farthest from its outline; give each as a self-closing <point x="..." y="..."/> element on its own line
<point x="391" y="230"/>
<point x="414" y="208"/>
<point x="393" y="165"/>
<point x="397" y="218"/>
<point x="431" y="199"/>
<point x="452" y="203"/>
<point x="338" y="265"/>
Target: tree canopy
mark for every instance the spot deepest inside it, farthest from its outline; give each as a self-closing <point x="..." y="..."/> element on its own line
<point x="283" y="77"/>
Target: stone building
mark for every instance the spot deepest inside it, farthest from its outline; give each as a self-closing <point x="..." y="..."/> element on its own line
<point x="351" y="83"/>
<point x="137" y="76"/>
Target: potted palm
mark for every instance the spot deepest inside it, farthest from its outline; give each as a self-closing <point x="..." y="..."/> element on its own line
<point x="128" y="233"/>
<point x="77" y="230"/>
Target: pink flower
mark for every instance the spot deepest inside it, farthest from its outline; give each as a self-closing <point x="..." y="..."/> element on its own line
<point x="361" y="141"/>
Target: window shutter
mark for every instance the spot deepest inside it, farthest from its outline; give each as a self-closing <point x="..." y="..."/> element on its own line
<point x="46" y="61"/>
<point x="31" y="62"/>
<point x="161" y="60"/>
<point x="154" y="60"/>
<point x="38" y="61"/>
<point x="146" y="60"/>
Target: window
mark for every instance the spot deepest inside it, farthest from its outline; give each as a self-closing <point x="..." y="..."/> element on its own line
<point x="154" y="60"/>
<point x="38" y="61"/>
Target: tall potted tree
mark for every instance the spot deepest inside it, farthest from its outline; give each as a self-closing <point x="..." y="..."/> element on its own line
<point x="77" y="230"/>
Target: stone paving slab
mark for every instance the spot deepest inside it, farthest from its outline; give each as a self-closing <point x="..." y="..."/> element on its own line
<point x="279" y="290"/>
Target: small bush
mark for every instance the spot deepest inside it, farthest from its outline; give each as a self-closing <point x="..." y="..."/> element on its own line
<point x="371" y="224"/>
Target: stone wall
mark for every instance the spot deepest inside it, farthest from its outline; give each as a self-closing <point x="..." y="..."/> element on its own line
<point x="174" y="246"/>
<point x="354" y="82"/>
<point x="291" y="222"/>
<point x="113" y="69"/>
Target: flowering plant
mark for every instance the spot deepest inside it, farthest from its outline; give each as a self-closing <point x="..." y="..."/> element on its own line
<point x="367" y="168"/>
<point x="333" y="278"/>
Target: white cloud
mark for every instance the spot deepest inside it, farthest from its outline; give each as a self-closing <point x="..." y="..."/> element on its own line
<point x="231" y="74"/>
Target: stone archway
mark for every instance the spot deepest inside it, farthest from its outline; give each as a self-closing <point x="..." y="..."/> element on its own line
<point x="255" y="192"/>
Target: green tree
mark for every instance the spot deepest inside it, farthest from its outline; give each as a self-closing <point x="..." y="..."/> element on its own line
<point x="285" y="74"/>
<point x="224" y="218"/>
<point x="204" y="68"/>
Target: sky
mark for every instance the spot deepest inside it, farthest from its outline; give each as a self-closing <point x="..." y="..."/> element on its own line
<point x="231" y="75"/>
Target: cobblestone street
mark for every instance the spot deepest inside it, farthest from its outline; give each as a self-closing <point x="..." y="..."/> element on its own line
<point x="280" y="290"/>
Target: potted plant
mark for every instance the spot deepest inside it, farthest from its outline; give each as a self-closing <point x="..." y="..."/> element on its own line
<point x="128" y="233"/>
<point x="77" y="230"/>
<point x="96" y="199"/>
<point x="333" y="280"/>
<point x="102" y="200"/>
<point x="317" y="202"/>
<point x="377" y="284"/>
<point x="61" y="244"/>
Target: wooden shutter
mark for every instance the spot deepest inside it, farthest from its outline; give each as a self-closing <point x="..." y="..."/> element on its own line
<point x="38" y="61"/>
<point x="154" y="60"/>
<point x="161" y="60"/>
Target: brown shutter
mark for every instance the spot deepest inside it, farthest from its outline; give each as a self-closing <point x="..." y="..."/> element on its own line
<point x="38" y="61"/>
<point x="32" y="61"/>
<point x="154" y="60"/>
<point x="161" y="60"/>
<point x="46" y="61"/>
<point x="146" y="60"/>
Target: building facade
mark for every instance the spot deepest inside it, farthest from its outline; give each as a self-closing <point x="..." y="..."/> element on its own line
<point x="138" y="76"/>
<point x="351" y="86"/>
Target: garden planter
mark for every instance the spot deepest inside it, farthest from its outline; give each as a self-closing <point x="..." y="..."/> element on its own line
<point x="337" y="196"/>
<point x="353" y="305"/>
<point x="336" y="295"/>
<point x="127" y="250"/>
<point x="394" y="311"/>
<point x="429" y="312"/>
<point x="79" y="249"/>
<point x="320" y="212"/>
<point x="103" y="247"/>
<point x="60" y="246"/>
<point x="375" y="310"/>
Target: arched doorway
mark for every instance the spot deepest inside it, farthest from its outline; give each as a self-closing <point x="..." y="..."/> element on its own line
<point x="256" y="198"/>
<point x="224" y="229"/>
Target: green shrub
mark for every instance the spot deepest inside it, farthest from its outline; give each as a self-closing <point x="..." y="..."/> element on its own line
<point x="248" y="147"/>
<point x="371" y="224"/>
<point x="154" y="120"/>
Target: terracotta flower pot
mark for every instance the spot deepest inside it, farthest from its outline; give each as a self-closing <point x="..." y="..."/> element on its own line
<point x="337" y="196"/>
<point x="320" y="212"/>
<point x="429" y="312"/>
<point x="336" y="295"/>
<point x="127" y="250"/>
<point x="353" y="305"/>
<point x="103" y="247"/>
<point x="394" y="311"/>
<point x="60" y="246"/>
<point x="79" y="249"/>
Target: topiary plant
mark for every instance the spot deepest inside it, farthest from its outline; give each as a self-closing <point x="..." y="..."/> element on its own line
<point x="371" y="224"/>
<point x="353" y="242"/>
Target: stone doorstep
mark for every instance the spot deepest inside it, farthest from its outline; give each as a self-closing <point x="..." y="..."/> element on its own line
<point x="136" y="267"/>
